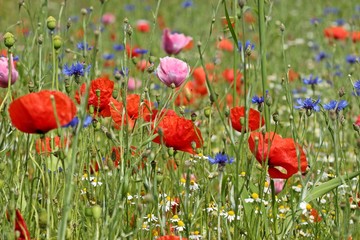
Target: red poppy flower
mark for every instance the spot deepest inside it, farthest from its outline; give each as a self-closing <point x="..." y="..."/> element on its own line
<point x="155" y="114"/>
<point x="293" y="75"/>
<point x="116" y="157"/>
<point x="185" y="97"/>
<point x="229" y="76"/>
<point x="226" y="45"/>
<point x="282" y="157"/>
<point x="21" y="229"/>
<point x="34" y="112"/>
<point x="358" y="121"/>
<point x="170" y="237"/>
<point x="99" y="95"/>
<point x="134" y="109"/>
<point x="142" y="65"/>
<point x="255" y="120"/>
<point x="178" y="133"/>
<point x="44" y="145"/>
<point x="315" y="215"/>
<point x="355" y="36"/>
<point x="132" y="51"/>
<point x="337" y="33"/>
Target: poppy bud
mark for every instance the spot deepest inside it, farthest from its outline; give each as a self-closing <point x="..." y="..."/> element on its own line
<point x="83" y="11"/>
<point x="342" y="120"/>
<point x="151" y="68"/>
<point x="193" y="117"/>
<point x="171" y="151"/>
<point x="152" y="59"/>
<point x="135" y="60"/>
<point x="91" y="109"/>
<point x="341" y="92"/>
<point x="157" y="98"/>
<point x="241" y="3"/>
<point x="31" y="86"/>
<point x="207" y="112"/>
<point x="268" y="100"/>
<point x="193" y="145"/>
<point x="88" y="212"/>
<point x="68" y="24"/>
<point x="276" y="117"/>
<point x="282" y="27"/>
<point x="115" y="93"/>
<point x="43" y="218"/>
<point x="51" y="23"/>
<point x="129" y="30"/>
<point x="40" y="39"/>
<point x="96" y="211"/>
<point x="9" y="39"/>
<point x="333" y="114"/>
<point x="57" y="42"/>
<point x="356" y="127"/>
<point x="227" y="112"/>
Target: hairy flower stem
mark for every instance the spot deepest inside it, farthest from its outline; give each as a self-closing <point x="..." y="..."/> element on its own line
<point x="263" y="58"/>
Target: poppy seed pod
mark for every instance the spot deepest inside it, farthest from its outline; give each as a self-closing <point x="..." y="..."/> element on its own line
<point x="51" y="23"/>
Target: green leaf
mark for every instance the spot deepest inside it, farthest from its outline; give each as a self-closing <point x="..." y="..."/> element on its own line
<point x="324" y="188"/>
<point x="229" y="24"/>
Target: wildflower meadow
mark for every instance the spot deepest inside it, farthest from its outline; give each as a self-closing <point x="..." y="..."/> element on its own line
<point x="179" y="119"/>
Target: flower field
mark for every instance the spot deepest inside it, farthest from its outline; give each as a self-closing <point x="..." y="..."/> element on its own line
<point x="179" y="119"/>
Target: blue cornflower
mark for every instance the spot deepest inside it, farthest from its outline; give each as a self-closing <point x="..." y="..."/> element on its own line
<point x="315" y="20"/>
<point x="108" y="56"/>
<point x="352" y="59"/>
<point x="258" y="100"/>
<point x="118" y="47"/>
<point x="187" y="3"/>
<point x="340" y="22"/>
<point x="357" y="85"/>
<point x="320" y="56"/>
<point x="140" y="51"/>
<point x="308" y="104"/>
<point x="337" y="106"/>
<point x="129" y="7"/>
<point x="311" y="80"/>
<point x="331" y="10"/>
<point x="357" y="8"/>
<point x="248" y="44"/>
<point x="221" y="159"/>
<point x="76" y="69"/>
<point x="81" y="46"/>
<point x="75" y="121"/>
<point x="123" y="72"/>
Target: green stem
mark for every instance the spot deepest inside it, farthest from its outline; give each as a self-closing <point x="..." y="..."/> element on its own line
<point x="263" y="58"/>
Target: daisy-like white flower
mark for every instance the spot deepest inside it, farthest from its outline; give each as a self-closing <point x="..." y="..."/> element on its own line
<point x="297" y="188"/>
<point x="212" y="207"/>
<point x="254" y="198"/>
<point x="230" y="215"/>
<point x="195" y="235"/>
<point x="145" y="226"/>
<point x="151" y="218"/>
<point x="180" y="226"/>
<point x="193" y="185"/>
<point x="305" y="207"/>
<point x="175" y="219"/>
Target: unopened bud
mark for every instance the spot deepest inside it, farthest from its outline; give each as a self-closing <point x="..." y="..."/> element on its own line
<point x="207" y="112"/>
<point x="341" y="92"/>
<point x="193" y="117"/>
<point x="9" y="39"/>
<point x="51" y="23"/>
<point x="57" y="42"/>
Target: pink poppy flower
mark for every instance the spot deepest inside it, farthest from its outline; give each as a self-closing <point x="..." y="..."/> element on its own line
<point x="108" y="18"/>
<point x="173" y="43"/>
<point x="133" y="84"/>
<point x="172" y="71"/>
<point x="4" y="72"/>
